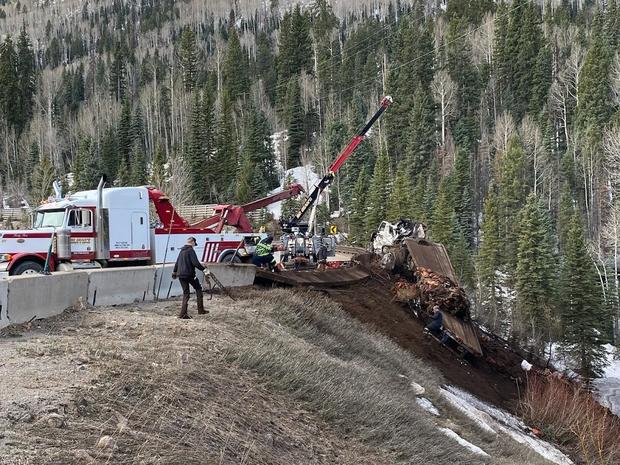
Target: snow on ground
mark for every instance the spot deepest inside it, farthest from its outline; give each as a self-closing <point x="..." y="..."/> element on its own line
<point x="427" y="405"/>
<point x="608" y="387"/>
<point x="497" y="420"/>
<point x="468" y="445"/>
<point x="304" y="175"/>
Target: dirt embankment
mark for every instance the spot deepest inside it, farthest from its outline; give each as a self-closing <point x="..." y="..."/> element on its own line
<point x="372" y="302"/>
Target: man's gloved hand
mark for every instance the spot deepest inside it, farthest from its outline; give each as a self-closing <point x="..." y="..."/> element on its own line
<point x="174" y="276"/>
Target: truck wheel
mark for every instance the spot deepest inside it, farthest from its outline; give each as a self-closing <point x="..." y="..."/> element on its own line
<point x="227" y="258"/>
<point x="27" y="267"/>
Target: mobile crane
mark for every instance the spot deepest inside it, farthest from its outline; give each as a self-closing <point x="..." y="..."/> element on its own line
<point x="299" y="238"/>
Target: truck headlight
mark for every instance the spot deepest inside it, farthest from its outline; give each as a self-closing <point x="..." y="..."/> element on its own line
<point x="5" y="257"/>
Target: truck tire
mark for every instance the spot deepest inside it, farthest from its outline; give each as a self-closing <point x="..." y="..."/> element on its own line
<point x="231" y="255"/>
<point x="27" y="267"/>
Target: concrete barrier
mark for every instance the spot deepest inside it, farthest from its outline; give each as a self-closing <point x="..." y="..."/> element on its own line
<point x="114" y="286"/>
<point x="42" y="296"/>
<point x="165" y="286"/>
<point x="4" y="303"/>
<point x="236" y="275"/>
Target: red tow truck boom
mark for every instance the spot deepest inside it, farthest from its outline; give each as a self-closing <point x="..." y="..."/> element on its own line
<point x="334" y="167"/>
<point x="235" y="215"/>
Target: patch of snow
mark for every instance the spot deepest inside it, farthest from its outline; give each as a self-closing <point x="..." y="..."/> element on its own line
<point x="427" y="405"/>
<point x="466" y="444"/>
<point x="608" y="387"/>
<point x="499" y="420"/>
<point x="480" y="418"/>
<point x="304" y="175"/>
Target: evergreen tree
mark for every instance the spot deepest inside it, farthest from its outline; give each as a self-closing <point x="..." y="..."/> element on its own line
<point x="42" y="180"/>
<point x="86" y="171"/>
<point x="257" y="147"/>
<point x="188" y="58"/>
<point x="294" y="118"/>
<point x="235" y="75"/>
<point x="443" y="215"/>
<point x="158" y="172"/>
<point x="582" y="313"/>
<point x="124" y="173"/>
<point x="490" y="265"/>
<point x="139" y="174"/>
<point x="295" y="45"/>
<point x="195" y="155"/>
<point x="420" y="137"/>
<point x="513" y="190"/>
<point x="9" y="84"/>
<point x="594" y="105"/>
<point x="535" y="275"/>
<point x="357" y="223"/>
<point x="226" y="160"/>
<point x="118" y="73"/>
<point x="124" y="141"/>
<point x="379" y="193"/>
<point x="109" y="154"/>
<point x="26" y="79"/>
<point x="402" y="195"/>
<point x="243" y="193"/>
<point x="266" y="65"/>
<point x="461" y="192"/>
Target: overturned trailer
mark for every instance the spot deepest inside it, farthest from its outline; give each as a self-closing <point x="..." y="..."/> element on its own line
<point x="429" y="280"/>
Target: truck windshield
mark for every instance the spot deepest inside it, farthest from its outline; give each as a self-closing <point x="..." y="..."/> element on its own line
<point x="49" y="218"/>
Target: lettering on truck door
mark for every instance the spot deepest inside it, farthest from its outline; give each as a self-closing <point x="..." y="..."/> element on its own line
<point x="81" y="224"/>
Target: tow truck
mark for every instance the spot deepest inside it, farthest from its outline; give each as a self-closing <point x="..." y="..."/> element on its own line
<point x="123" y="226"/>
<point x="301" y="239"/>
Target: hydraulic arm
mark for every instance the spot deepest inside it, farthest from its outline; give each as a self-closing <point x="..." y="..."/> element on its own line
<point x="333" y="169"/>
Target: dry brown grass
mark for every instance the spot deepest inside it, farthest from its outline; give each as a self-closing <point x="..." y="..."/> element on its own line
<point x="280" y="378"/>
<point x="569" y="415"/>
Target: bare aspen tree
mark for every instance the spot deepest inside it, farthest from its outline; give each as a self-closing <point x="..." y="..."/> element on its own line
<point x="534" y="146"/>
<point x="444" y="91"/>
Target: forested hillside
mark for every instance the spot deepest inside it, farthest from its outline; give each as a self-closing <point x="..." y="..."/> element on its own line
<point x="504" y="135"/>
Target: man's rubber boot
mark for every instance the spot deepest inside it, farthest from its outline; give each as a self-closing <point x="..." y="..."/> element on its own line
<point x="200" y="303"/>
<point x="183" y="313"/>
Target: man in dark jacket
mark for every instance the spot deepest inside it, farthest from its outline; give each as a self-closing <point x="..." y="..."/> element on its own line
<point x="185" y="270"/>
<point x="436" y="321"/>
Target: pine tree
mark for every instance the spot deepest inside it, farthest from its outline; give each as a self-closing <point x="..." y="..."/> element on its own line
<point x="109" y="154"/>
<point x="379" y="193"/>
<point x="139" y="174"/>
<point x="402" y="195"/>
<point x="513" y="191"/>
<point x="9" y="83"/>
<point x="226" y="160"/>
<point x="188" y="58"/>
<point x="294" y="118"/>
<point x="243" y="192"/>
<point x="594" y="105"/>
<point x="266" y="65"/>
<point x="26" y="79"/>
<point x="235" y="75"/>
<point x="535" y="275"/>
<point x="124" y="174"/>
<point x="582" y="313"/>
<point x="490" y="265"/>
<point x="461" y="192"/>
<point x="42" y="180"/>
<point x="158" y="172"/>
<point x="357" y="223"/>
<point x="420" y="137"/>
<point x="118" y="73"/>
<point x="124" y="140"/>
<point x="443" y="224"/>
<point x="195" y="155"/>
<point x="86" y="171"/>
<point x="295" y="46"/>
<point x="257" y="147"/>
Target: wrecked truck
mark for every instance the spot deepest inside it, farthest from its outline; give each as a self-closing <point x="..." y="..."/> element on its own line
<point x="428" y="279"/>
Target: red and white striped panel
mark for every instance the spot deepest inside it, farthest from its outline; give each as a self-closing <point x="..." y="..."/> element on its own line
<point x="211" y="252"/>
